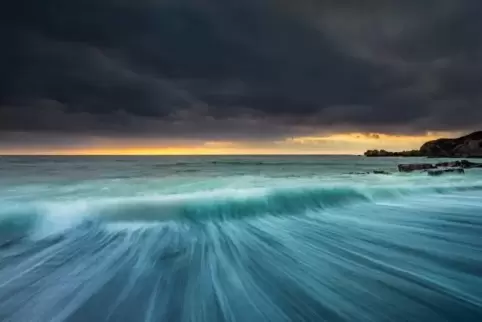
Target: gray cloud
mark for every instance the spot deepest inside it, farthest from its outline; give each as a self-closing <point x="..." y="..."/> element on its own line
<point x="239" y="69"/>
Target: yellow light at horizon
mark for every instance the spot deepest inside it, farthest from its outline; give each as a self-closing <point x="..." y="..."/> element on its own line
<point x="341" y="143"/>
<point x="372" y="137"/>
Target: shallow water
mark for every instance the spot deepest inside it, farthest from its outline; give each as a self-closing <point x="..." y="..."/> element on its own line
<point x="237" y="239"/>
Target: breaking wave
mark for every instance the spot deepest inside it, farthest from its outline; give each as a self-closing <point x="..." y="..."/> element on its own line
<point x="400" y="249"/>
<point x="212" y="205"/>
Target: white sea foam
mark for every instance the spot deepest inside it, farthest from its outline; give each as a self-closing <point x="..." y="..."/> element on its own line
<point x="283" y="245"/>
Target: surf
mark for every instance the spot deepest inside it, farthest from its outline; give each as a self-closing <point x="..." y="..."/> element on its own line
<point x="217" y="204"/>
<point x="292" y="240"/>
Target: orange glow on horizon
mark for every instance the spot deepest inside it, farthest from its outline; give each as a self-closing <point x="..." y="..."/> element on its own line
<point x="343" y="143"/>
<point x="376" y="138"/>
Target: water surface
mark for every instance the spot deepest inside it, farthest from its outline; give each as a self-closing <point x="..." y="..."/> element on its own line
<point x="278" y="238"/>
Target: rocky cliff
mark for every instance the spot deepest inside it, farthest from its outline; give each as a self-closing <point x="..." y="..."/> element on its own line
<point x="465" y="146"/>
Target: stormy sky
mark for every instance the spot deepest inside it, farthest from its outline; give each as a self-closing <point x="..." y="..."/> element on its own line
<point x="170" y="72"/>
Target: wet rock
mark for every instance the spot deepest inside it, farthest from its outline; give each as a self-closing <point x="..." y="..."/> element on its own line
<point x="372" y="172"/>
<point x="415" y="167"/>
<point x="469" y="165"/>
<point x="381" y="172"/>
<point x="384" y="153"/>
<point x="462" y="164"/>
<point x="448" y="164"/>
<point x="439" y="172"/>
<point x="459" y="164"/>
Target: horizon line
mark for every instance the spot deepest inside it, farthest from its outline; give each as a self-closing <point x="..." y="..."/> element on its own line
<point x="177" y="155"/>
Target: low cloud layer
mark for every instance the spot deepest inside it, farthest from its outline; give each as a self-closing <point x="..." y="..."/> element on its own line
<point x="247" y="70"/>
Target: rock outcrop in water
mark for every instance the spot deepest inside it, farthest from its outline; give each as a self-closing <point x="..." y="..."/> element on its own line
<point x="464" y="164"/>
<point x="439" y="172"/>
<point x="373" y="172"/>
<point x="384" y="153"/>
<point x="415" y="167"/>
<point x="440" y="168"/>
<point x="468" y="146"/>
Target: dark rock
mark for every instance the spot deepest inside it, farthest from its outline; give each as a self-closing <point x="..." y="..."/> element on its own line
<point x="372" y="172"/>
<point x="384" y="153"/>
<point x="465" y="146"/>
<point x="442" y="166"/>
<point x="469" y="146"/>
<point x="415" y="167"/>
<point x="469" y="165"/>
<point x="440" y="172"/>
<point x="381" y="172"/>
<point x="459" y="164"/>
<point x="448" y="164"/>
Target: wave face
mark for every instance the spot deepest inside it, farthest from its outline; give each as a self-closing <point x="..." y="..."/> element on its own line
<point x="237" y="239"/>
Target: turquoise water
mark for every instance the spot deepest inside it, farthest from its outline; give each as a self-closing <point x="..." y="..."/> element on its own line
<point x="279" y="238"/>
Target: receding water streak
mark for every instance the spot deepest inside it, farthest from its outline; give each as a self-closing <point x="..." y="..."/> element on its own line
<point x="293" y="240"/>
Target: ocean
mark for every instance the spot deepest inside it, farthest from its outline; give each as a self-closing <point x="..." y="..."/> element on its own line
<point x="237" y="238"/>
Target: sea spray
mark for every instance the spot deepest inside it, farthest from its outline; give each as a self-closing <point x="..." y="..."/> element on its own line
<point x="271" y="246"/>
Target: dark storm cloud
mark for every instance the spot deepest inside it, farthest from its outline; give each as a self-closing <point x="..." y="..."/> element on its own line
<point x="260" y="69"/>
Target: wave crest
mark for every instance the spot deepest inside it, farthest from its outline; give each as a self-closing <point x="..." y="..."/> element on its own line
<point x="214" y="205"/>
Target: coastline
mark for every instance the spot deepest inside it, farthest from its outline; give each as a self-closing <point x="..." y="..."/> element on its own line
<point x="468" y="146"/>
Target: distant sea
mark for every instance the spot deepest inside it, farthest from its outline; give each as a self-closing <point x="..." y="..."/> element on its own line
<point x="237" y="238"/>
